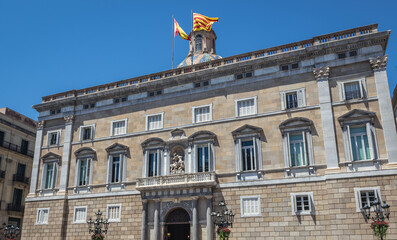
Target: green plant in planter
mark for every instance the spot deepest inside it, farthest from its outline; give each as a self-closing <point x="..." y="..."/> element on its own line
<point x="380" y="229"/>
<point x="223" y="233"/>
<point x="97" y="236"/>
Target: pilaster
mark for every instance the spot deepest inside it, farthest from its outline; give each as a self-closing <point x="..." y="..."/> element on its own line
<point x="156" y="220"/>
<point x="36" y="157"/>
<point x="195" y="220"/>
<point x="327" y="116"/>
<point x="67" y="145"/>
<point x="144" y="220"/>
<point x="210" y="225"/>
<point x="386" y="110"/>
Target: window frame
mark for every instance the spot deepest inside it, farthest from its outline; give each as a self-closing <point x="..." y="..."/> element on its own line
<point x="300" y="98"/>
<point x="152" y="115"/>
<point x="257" y="152"/>
<point x="54" y="174"/>
<point x="357" y="195"/>
<point x="92" y="127"/>
<point x="74" y="215"/>
<point x="362" y="87"/>
<point x="58" y="132"/>
<point x="89" y="172"/>
<point x="311" y="210"/>
<point x="236" y="106"/>
<point x="258" y="199"/>
<point x="194" y="120"/>
<point x="107" y="212"/>
<point x="371" y="136"/>
<point x="37" y="216"/>
<point x="116" y="121"/>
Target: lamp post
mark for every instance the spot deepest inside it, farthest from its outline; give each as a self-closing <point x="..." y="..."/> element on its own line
<point x="224" y="217"/>
<point x="11" y="231"/>
<point x="99" y="226"/>
<point x="382" y="212"/>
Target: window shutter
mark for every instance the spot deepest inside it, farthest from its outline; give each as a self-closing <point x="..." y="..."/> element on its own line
<point x="311" y="202"/>
<point x="305" y="147"/>
<point x="77" y="172"/>
<point x="109" y="177"/>
<point x="43" y="175"/>
<point x="282" y="95"/>
<point x="91" y="171"/>
<point x="123" y="167"/>
<point x="255" y="163"/>
<point x="238" y="155"/>
<point x="349" y="149"/>
<point x="370" y="140"/>
<point x="55" y="175"/>
<point x="295" y="206"/>
<point x="286" y="150"/>
<point x="342" y="91"/>
<point x="301" y="95"/>
<point x="364" y="88"/>
<point x="362" y="92"/>
<point x="209" y="157"/>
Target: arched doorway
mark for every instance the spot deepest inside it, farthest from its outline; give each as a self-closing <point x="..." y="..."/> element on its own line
<point x="177" y="226"/>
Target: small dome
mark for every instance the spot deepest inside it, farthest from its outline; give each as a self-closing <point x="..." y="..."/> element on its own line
<point x="199" y="58"/>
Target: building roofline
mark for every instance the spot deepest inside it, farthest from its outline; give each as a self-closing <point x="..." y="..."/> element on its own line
<point x="315" y="41"/>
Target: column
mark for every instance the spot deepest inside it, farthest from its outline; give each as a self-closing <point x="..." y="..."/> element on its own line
<point x="156" y="220"/>
<point x="67" y="145"/>
<point x="327" y="117"/>
<point x="386" y="110"/>
<point x="36" y="157"/>
<point x="210" y="225"/>
<point x="144" y="220"/>
<point x="195" y="220"/>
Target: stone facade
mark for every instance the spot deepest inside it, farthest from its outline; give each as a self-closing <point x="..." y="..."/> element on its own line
<point x="17" y="138"/>
<point x="269" y="132"/>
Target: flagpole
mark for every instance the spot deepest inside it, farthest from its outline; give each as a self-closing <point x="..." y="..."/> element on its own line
<point x="173" y="40"/>
<point x="192" y="36"/>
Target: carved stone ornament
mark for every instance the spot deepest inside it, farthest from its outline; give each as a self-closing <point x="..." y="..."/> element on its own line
<point x="40" y="124"/>
<point x="177" y="165"/>
<point x="69" y="119"/>
<point x="379" y="63"/>
<point x="320" y="73"/>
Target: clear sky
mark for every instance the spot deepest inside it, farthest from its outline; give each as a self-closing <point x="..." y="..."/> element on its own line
<point x="51" y="46"/>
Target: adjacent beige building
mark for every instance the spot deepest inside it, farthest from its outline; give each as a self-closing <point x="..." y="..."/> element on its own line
<point x="295" y="139"/>
<point x="17" y="139"/>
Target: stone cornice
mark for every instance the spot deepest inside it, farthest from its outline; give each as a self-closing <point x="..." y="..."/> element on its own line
<point x="379" y="63"/>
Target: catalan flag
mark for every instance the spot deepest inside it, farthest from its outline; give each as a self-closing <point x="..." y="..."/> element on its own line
<point x="178" y="29"/>
<point x="201" y="22"/>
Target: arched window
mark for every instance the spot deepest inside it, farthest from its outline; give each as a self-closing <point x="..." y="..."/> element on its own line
<point x="199" y="43"/>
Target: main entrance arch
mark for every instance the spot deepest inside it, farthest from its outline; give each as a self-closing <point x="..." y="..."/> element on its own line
<point x="177" y="225"/>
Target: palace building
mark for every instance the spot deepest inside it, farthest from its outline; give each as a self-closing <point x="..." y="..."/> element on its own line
<point x="295" y="139"/>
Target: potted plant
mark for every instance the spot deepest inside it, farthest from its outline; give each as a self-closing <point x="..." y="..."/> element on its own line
<point x="223" y="233"/>
<point x="380" y="229"/>
<point x="97" y="237"/>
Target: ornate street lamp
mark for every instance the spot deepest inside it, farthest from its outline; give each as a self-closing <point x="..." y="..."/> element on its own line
<point x="11" y="231"/>
<point x="99" y="226"/>
<point x="224" y="217"/>
<point x="382" y="211"/>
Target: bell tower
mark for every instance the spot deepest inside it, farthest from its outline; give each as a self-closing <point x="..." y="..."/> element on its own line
<point x="202" y="42"/>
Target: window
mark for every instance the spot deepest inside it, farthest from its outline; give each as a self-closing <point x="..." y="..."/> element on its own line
<point x="248" y="155"/>
<point x="203" y="158"/>
<point x="302" y="203"/>
<point x="55" y="111"/>
<point x="115" y="169"/>
<point x="359" y="143"/>
<point x="87" y="106"/>
<point x="293" y="99"/>
<point x="342" y="55"/>
<point x="201" y="84"/>
<point x="154" y="121"/>
<point x="289" y="66"/>
<point x="17" y="199"/>
<point x="116" y="166"/>
<point x="87" y="132"/>
<point x="202" y="113"/>
<point x="347" y="54"/>
<point x="42" y="215"/>
<point x="80" y="215"/>
<point x="113" y="213"/>
<point x="246" y="106"/>
<point x="24" y="146"/>
<point x="14" y="221"/>
<point x="1" y="138"/>
<point x="21" y="170"/>
<point x="53" y="138"/>
<point x="297" y="149"/>
<point x="199" y="43"/>
<point x="353" y="53"/>
<point x="297" y="144"/>
<point x="244" y="75"/>
<point x="83" y="171"/>
<point x="250" y="206"/>
<point x="49" y="174"/>
<point x="119" y="100"/>
<point x="119" y="127"/>
<point x="154" y="164"/>
<point x="155" y="93"/>
<point x="366" y="196"/>
<point x="352" y="89"/>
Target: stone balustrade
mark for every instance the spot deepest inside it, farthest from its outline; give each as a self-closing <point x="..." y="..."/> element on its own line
<point x="177" y="180"/>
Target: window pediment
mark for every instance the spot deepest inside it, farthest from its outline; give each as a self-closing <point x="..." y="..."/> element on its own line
<point x="117" y="147"/>
<point x="296" y="123"/>
<point x="203" y="135"/>
<point x="51" y="156"/>
<point x="357" y="115"/>
<point x="248" y="130"/>
<point x="153" y="142"/>
<point x="85" y="151"/>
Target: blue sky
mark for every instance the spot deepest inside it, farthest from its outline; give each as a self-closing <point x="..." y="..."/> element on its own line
<point x="51" y="46"/>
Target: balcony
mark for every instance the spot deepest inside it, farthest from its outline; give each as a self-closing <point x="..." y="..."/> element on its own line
<point x="21" y="179"/>
<point x="15" y="208"/>
<point x="2" y="174"/>
<point x="204" y="179"/>
<point x="16" y="148"/>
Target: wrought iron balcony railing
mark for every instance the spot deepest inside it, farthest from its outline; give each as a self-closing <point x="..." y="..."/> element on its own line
<point x="2" y="174"/>
<point x="16" y="148"/>
<point x="15" y="207"/>
<point x="22" y="179"/>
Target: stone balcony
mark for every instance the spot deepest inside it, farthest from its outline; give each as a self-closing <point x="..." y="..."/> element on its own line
<point x="184" y="180"/>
